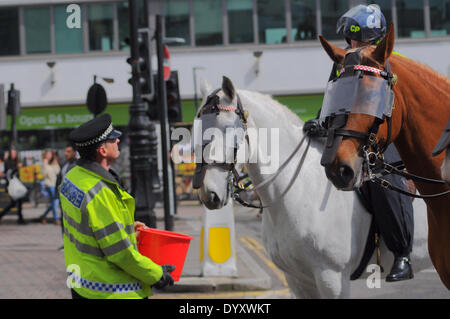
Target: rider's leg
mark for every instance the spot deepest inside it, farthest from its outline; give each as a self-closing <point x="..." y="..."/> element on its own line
<point x="394" y="217"/>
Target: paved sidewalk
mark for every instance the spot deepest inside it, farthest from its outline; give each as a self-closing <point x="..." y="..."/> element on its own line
<point x="32" y="266"/>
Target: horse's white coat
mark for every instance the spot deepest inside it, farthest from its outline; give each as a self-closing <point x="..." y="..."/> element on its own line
<point x="316" y="234"/>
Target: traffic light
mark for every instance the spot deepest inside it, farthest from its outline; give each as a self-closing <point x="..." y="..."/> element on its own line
<point x="13" y="107"/>
<point x="174" y="113"/>
<point x="173" y="98"/>
<point x="144" y="63"/>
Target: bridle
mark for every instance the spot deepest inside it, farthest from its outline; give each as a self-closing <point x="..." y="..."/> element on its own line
<point x="235" y="186"/>
<point x="234" y="180"/>
<point x="373" y="158"/>
<point x="212" y="106"/>
<point x="335" y="123"/>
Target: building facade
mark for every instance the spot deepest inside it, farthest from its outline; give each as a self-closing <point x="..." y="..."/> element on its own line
<point x="52" y="49"/>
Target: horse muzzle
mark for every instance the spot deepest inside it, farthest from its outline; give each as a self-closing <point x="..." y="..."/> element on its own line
<point x="211" y="200"/>
<point x="345" y="175"/>
<point x="342" y="176"/>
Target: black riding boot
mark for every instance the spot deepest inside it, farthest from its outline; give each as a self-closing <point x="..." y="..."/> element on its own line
<point x="401" y="270"/>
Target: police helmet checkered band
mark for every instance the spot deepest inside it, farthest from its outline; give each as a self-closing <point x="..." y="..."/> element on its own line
<point x="97" y="139"/>
<point x="92" y="132"/>
<point x="368" y="95"/>
<point x="362" y="23"/>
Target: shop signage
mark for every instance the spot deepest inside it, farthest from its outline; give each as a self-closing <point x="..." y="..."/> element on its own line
<point x="65" y="116"/>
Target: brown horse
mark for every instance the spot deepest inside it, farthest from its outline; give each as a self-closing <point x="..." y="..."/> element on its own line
<point x="443" y="145"/>
<point x="420" y="113"/>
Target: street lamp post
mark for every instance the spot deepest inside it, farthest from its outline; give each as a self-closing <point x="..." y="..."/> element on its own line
<point x="142" y="135"/>
<point x="169" y="200"/>
<point x="14" y="111"/>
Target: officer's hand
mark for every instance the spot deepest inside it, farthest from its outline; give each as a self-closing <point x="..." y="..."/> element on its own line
<point x="138" y="225"/>
<point x="166" y="279"/>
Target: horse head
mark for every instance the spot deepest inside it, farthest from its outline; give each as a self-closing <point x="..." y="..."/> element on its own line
<point x="219" y="130"/>
<point x="355" y="108"/>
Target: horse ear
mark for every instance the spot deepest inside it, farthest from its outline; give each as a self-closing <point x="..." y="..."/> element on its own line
<point x="336" y="53"/>
<point x="228" y="87"/>
<point x="205" y="87"/>
<point x="385" y="47"/>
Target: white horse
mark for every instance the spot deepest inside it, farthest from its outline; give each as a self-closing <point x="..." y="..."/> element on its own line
<point x="315" y="234"/>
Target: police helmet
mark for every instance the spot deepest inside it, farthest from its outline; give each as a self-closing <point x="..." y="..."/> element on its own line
<point x="94" y="132"/>
<point x="362" y="23"/>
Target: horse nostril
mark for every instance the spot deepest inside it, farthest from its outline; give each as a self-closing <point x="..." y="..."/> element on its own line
<point x="346" y="173"/>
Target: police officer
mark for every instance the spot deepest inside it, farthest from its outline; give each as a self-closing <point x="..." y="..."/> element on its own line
<point x="393" y="212"/>
<point x="99" y="229"/>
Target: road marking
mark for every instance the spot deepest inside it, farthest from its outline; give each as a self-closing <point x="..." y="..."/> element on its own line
<point x="221" y="295"/>
<point x="259" y="250"/>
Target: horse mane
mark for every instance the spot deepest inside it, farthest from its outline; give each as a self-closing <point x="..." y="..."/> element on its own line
<point x="429" y="77"/>
<point x="259" y="99"/>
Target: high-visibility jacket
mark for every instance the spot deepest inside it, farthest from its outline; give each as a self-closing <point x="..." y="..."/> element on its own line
<point x="100" y="250"/>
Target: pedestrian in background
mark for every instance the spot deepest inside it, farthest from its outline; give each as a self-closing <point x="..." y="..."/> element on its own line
<point x="50" y="170"/>
<point x="2" y="168"/>
<point x="11" y="166"/>
<point x="71" y="160"/>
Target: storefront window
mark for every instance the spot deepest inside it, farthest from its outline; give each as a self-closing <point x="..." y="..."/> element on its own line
<point x="440" y="17"/>
<point x="37" y="29"/>
<point x="332" y="10"/>
<point x="303" y="14"/>
<point x="240" y="21"/>
<point x="271" y="21"/>
<point x="9" y="31"/>
<point x="177" y="20"/>
<point x="67" y="40"/>
<point x="124" y="22"/>
<point x="100" y="20"/>
<point x="208" y="22"/>
<point x="410" y="19"/>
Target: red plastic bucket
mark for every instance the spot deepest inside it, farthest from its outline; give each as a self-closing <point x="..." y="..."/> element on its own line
<point x="164" y="247"/>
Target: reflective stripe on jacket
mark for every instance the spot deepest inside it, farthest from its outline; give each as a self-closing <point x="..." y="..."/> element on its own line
<point x="100" y="250"/>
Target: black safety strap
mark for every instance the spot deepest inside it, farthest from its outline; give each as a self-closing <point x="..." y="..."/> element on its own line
<point x="394" y="170"/>
<point x="386" y="184"/>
